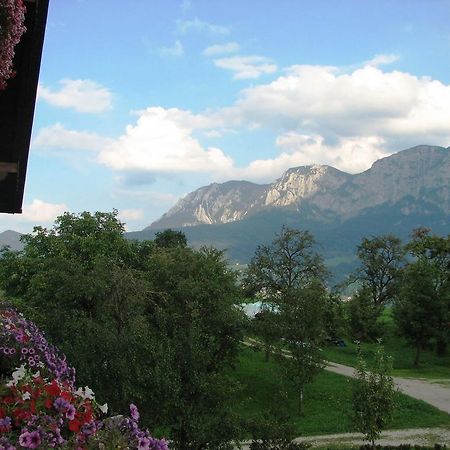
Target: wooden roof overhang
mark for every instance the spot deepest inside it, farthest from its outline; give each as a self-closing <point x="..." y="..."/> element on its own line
<point x="17" y="104"/>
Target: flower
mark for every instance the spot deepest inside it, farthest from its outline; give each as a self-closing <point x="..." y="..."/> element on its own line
<point x="134" y="412"/>
<point x="103" y="408"/>
<point x="11" y="30"/>
<point x="44" y="409"/>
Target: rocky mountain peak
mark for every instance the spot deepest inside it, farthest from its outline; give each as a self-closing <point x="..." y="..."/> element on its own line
<point x="420" y="174"/>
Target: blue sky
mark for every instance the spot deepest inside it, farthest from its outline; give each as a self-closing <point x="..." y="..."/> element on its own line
<point x="143" y="101"/>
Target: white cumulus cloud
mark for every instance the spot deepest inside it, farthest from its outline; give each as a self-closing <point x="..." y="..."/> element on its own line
<point x="41" y="212"/>
<point x="161" y="142"/>
<point x="245" y="67"/>
<point x="85" y="96"/>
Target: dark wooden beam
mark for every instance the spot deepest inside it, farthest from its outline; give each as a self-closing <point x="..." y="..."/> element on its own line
<point x="17" y="103"/>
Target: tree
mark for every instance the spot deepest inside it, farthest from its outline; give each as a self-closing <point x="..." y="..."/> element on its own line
<point x="141" y="322"/>
<point x="381" y="258"/>
<point x="417" y="310"/>
<point x="265" y="326"/>
<point x="289" y="276"/>
<point x="373" y="396"/>
<point x="170" y="238"/>
<point x="302" y="326"/>
<point x="433" y="254"/>
<point x="290" y="262"/>
<point x="204" y="327"/>
<point x="363" y="317"/>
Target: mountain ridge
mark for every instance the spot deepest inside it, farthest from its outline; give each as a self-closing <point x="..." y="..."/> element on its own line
<point x="422" y="171"/>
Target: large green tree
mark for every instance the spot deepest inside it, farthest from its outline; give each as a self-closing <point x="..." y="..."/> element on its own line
<point x="143" y="322"/>
<point x="423" y="304"/>
<point x="381" y="260"/>
<point x="289" y="278"/>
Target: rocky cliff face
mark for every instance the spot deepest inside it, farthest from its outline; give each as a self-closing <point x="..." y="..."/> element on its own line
<point x="420" y="175"/>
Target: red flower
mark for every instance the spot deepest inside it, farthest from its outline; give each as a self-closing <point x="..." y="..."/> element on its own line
<point x="74" y="425"/>
<point x="2" y="413"/>
<point x="53" y="389"/>
<point x="67" y="396"/>
<point x="48" y="403"/>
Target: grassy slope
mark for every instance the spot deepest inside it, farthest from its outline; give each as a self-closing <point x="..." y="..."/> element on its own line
<point x="327" y="400"/>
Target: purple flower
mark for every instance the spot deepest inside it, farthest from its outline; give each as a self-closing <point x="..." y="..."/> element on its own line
<point x="134" y="412"/>
<point x="60" y="404"/>
<point x="144" y="444"/>
<point x="70" y="413"/>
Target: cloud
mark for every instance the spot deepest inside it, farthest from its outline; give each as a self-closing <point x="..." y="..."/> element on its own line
<point x="245" y="67"/>
<point x="395" y="106"/>
<point x="58" y="137"/>
<point x="316" y="114"/>
<point x="220" y="49"/>
<point x="40" y="212"/>
<point x="85" y="96"/>
<point x="185" y="26"/>
<point x="176" y="50"/>
<point x="155" y="198"/>
<point x="131" y="214"/>
<point x="161" y="142"/>
<point x="382" y="59"/>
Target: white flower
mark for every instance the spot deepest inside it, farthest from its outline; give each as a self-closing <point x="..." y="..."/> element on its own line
<point x="18" y="374"/>
<point x="26" y="396"/>
<point x="103" y="408"/>
<point x="37" y="374"/>
<point x="88" y="393"/>
<point x="79" y="392"/>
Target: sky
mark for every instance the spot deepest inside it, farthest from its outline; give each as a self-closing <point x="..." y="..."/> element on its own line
<point x="143" y="101"/>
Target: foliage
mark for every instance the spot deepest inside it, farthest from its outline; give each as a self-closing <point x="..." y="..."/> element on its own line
<point x="363" y="317"/>
<point x="373" y="396"/>
<point x="170" y="238"/>
<point x="381" y="259"/>
<point x="432" y="254"/>
<point x="334" y="316"/>
<point x="156" y="324"/>
<point x="290" y="262"/>
<point x="265" y="325"/>
<point x="419" y="307"/>
<point x="12" y="18"/>
<point x="39" y="404"/>
<point x="303" y="330"/>
<point x="289" y="277"/>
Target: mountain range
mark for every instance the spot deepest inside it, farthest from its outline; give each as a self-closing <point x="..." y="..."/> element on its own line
<point x="408" y="189"/>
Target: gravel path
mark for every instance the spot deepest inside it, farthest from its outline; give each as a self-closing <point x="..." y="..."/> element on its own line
<point x="414" y="436"/>
<point x="434" y="394"/>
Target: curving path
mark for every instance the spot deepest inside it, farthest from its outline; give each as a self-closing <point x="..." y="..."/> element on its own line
<point x="434" y="394"/>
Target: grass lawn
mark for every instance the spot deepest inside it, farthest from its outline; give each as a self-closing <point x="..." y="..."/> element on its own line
<point x="431" y="366"/>
<point x="327" y="400"/>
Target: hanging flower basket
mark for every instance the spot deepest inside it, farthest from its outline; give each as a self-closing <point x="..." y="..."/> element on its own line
<point x="12" y="18"/>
